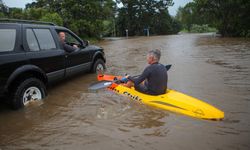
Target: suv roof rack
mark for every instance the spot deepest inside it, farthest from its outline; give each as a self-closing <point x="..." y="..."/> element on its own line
<point x="26" y="21"/>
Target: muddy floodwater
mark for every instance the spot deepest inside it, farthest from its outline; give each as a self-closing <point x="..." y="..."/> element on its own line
<point x="214" y="69"/>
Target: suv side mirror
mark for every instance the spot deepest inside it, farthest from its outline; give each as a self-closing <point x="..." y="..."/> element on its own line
<point x="84" y="43"/>
<point x="87" y="43"/>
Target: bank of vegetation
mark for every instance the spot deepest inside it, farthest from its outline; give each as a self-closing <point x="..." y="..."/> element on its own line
<point x="99" y="18"/>
<point x="229" y="17"/>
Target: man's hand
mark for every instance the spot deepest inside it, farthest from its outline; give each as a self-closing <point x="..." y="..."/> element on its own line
<point x="125" y="79"/>
<point x="75" y="46"/>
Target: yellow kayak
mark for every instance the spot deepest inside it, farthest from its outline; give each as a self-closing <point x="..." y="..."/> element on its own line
<point x="172" y="100"/>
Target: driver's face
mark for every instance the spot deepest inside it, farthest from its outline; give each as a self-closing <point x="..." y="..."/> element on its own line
<point x="62" y="36"/>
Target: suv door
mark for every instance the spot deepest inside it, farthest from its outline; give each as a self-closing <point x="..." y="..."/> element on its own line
<point x="78" y="60"/>
<point x="44" y="52"/>
<point x="11" y="54"/>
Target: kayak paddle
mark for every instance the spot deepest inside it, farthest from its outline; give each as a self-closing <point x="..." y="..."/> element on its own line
<point x="100" y="85"/>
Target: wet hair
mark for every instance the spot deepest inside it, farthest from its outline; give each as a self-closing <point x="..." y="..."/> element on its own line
<point x="156" y="53"/>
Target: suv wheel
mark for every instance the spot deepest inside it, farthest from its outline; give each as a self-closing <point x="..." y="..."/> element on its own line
<point x="98" y="66"/>
<point x="29" y="90"/>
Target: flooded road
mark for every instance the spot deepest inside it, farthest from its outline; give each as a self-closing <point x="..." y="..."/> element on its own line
<point x="216" y="70"/>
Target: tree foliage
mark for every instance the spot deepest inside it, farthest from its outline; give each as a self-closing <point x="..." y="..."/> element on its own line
<point x="230" y="17"/>
<point x="85" y="17"/>
<point x="137" y="15"/>
<point x="54" y="17"/>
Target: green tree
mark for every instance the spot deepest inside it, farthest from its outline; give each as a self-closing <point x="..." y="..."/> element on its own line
<point x="231" y="17"/>
<point x="1" y="15"/>
<point x="15" y="13"/>
<point x="54" y="17"/>
<point x="34" y="13"/>
<point x="3" y="8"/>
<point x="137" y="15"/>
<point x="189" y="15"/>
<point x="85" y="17"/>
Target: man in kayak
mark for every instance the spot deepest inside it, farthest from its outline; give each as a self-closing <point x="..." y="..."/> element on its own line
<point x="153" y="80"/>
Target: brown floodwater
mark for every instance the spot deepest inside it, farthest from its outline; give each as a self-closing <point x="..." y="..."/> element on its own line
<point x="214" y="69"/>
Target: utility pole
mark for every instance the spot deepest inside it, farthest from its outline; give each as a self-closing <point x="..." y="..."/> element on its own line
<point x="102" y="5"/>
<point x="126" y="33"/>
<point x="114" y="29"/>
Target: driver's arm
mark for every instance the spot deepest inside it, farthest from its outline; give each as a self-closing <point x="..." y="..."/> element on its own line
<point x="69" y="48"/>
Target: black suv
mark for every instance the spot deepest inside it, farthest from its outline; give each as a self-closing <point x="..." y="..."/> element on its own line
<point x="31" y="56"/>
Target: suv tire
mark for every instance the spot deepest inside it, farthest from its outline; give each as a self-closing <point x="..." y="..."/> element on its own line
<point x="31" y="89"/>
<point x="99" y="65"/>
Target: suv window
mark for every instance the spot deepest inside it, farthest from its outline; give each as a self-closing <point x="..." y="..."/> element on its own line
<point x="31" y="39"/>
<point x="7" y="39"/>
<point x="70" y="38"/>
<point x="45" y="39"/>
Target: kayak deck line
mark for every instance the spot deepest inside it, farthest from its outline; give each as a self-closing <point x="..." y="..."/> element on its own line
<point x="167" y="104"/>
<point x="171" y="101"/>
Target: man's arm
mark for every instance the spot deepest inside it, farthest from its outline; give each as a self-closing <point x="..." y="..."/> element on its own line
<point x="68" y="48"/>
<point x="141" y="78"/>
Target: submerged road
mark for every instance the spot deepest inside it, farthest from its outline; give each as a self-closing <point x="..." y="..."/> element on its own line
<point x="214" y="69"/>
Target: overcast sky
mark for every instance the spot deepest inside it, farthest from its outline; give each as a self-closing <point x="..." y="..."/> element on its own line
<point x="22" y="3"/>
<point x="177" y="4"/>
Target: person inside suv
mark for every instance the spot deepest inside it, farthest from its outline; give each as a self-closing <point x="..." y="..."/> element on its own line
<point x="66" y="46"/>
